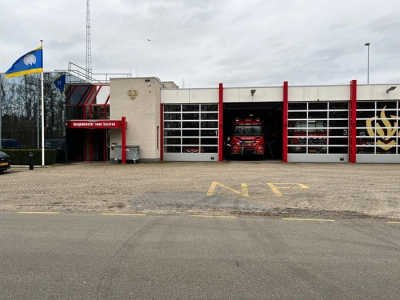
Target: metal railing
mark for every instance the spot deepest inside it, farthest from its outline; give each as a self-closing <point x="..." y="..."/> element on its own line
<point x="89" y="76"/>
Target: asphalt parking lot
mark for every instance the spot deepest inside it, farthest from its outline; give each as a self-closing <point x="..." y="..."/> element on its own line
<point x="266" y="188"/>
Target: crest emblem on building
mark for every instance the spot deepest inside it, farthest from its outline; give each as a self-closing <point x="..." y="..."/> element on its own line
<point x="132" y="93"/>
<point x="385" y="134"/>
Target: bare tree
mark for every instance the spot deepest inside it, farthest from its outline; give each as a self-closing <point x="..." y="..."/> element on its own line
<point x="21" y="109"/>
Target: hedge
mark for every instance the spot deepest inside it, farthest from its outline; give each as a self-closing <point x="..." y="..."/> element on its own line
<point x="21" y="156"/>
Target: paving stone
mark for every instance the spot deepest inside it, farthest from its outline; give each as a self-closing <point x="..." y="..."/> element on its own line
<point x="238" y="187"/>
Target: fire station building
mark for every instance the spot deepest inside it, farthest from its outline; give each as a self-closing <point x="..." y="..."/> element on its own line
<point x="350" y="123"/>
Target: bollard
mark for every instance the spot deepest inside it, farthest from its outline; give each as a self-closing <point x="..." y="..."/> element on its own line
<point x="31" y="161"/>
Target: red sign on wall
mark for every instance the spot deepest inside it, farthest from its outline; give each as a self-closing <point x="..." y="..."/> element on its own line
<point x="93" y="124"/>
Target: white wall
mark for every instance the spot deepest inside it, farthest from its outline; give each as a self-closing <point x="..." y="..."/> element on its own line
<point x="377" y="92"/>
<point x="183" y="96"/>
<point x="275" y="94"/>
<point x="142" y="113"/>
<point x="319" y="93"/>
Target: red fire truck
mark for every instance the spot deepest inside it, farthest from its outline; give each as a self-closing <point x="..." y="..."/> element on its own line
<point x="248" y="137"/>
<point x="317" y="136"/>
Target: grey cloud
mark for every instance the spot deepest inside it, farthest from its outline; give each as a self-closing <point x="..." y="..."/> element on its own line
<point x="239" y="43"/>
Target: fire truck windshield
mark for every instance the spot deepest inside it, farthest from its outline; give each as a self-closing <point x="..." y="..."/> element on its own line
<point x="247" y="130"/>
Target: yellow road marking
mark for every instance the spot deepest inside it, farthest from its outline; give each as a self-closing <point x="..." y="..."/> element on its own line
<point x="116" y="214"/>
<point x="275" y="190"/>
<point x="40" y="212"/>
<point x="302" y="186"/>
<point x="244" y="192"/>
<point x="315" y="220"/>
<point x="202" y="216"/>
<point x="289" y="185"/>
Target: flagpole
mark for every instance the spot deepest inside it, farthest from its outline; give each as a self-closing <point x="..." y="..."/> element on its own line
<point x="41" y="41"/>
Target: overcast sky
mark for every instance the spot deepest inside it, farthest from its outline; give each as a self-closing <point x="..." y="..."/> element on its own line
<point x="201" y="43"/>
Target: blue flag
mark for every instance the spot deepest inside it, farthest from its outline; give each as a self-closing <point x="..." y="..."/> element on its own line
<point x="31" y="62"/>
<point x="59" y="82"/>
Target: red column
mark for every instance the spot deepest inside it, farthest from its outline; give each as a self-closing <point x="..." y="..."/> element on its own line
<point x="221" y="123"/>
<point x="353" y="122"/>
<point x="161" y="132"/>
<point x="123" y="141"/>
<point x="285" y="121"/>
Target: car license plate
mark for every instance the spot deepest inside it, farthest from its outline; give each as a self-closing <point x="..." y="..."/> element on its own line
<point x="248" y="142"/>
<point x="312" y="150"/>
<point x="4" y="164"/>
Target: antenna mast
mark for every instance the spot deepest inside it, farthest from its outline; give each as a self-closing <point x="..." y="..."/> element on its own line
<point x="88" y="42"/>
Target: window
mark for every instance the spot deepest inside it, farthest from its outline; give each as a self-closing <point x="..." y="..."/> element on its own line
<point x="247" y="130"/>
<point x="318" y="128"/>
<point x="191" y="128"/>
<point x="377" y="127"/>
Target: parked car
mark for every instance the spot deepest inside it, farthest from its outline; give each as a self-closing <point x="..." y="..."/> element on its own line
<point x="10" y="144"/>
<point x="4" y="162"/>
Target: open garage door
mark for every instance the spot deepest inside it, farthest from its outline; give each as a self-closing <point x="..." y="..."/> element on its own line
<point x="248" y="136"/>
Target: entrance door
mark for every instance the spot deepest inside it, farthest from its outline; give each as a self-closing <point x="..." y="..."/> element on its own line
<point x="95" y="145"/>
<point x="87" y="145"/>
<point x="191" y="132"/>
<point x="270" y="113"/>
<point x="318" y="132"/>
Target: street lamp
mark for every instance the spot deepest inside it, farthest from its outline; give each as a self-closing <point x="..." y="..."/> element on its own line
<point x="367" y="44"/>
<point x="390" y="89"/>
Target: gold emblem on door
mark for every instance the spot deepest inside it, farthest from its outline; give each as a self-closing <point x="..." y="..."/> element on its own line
<point x="385" y="133"/>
